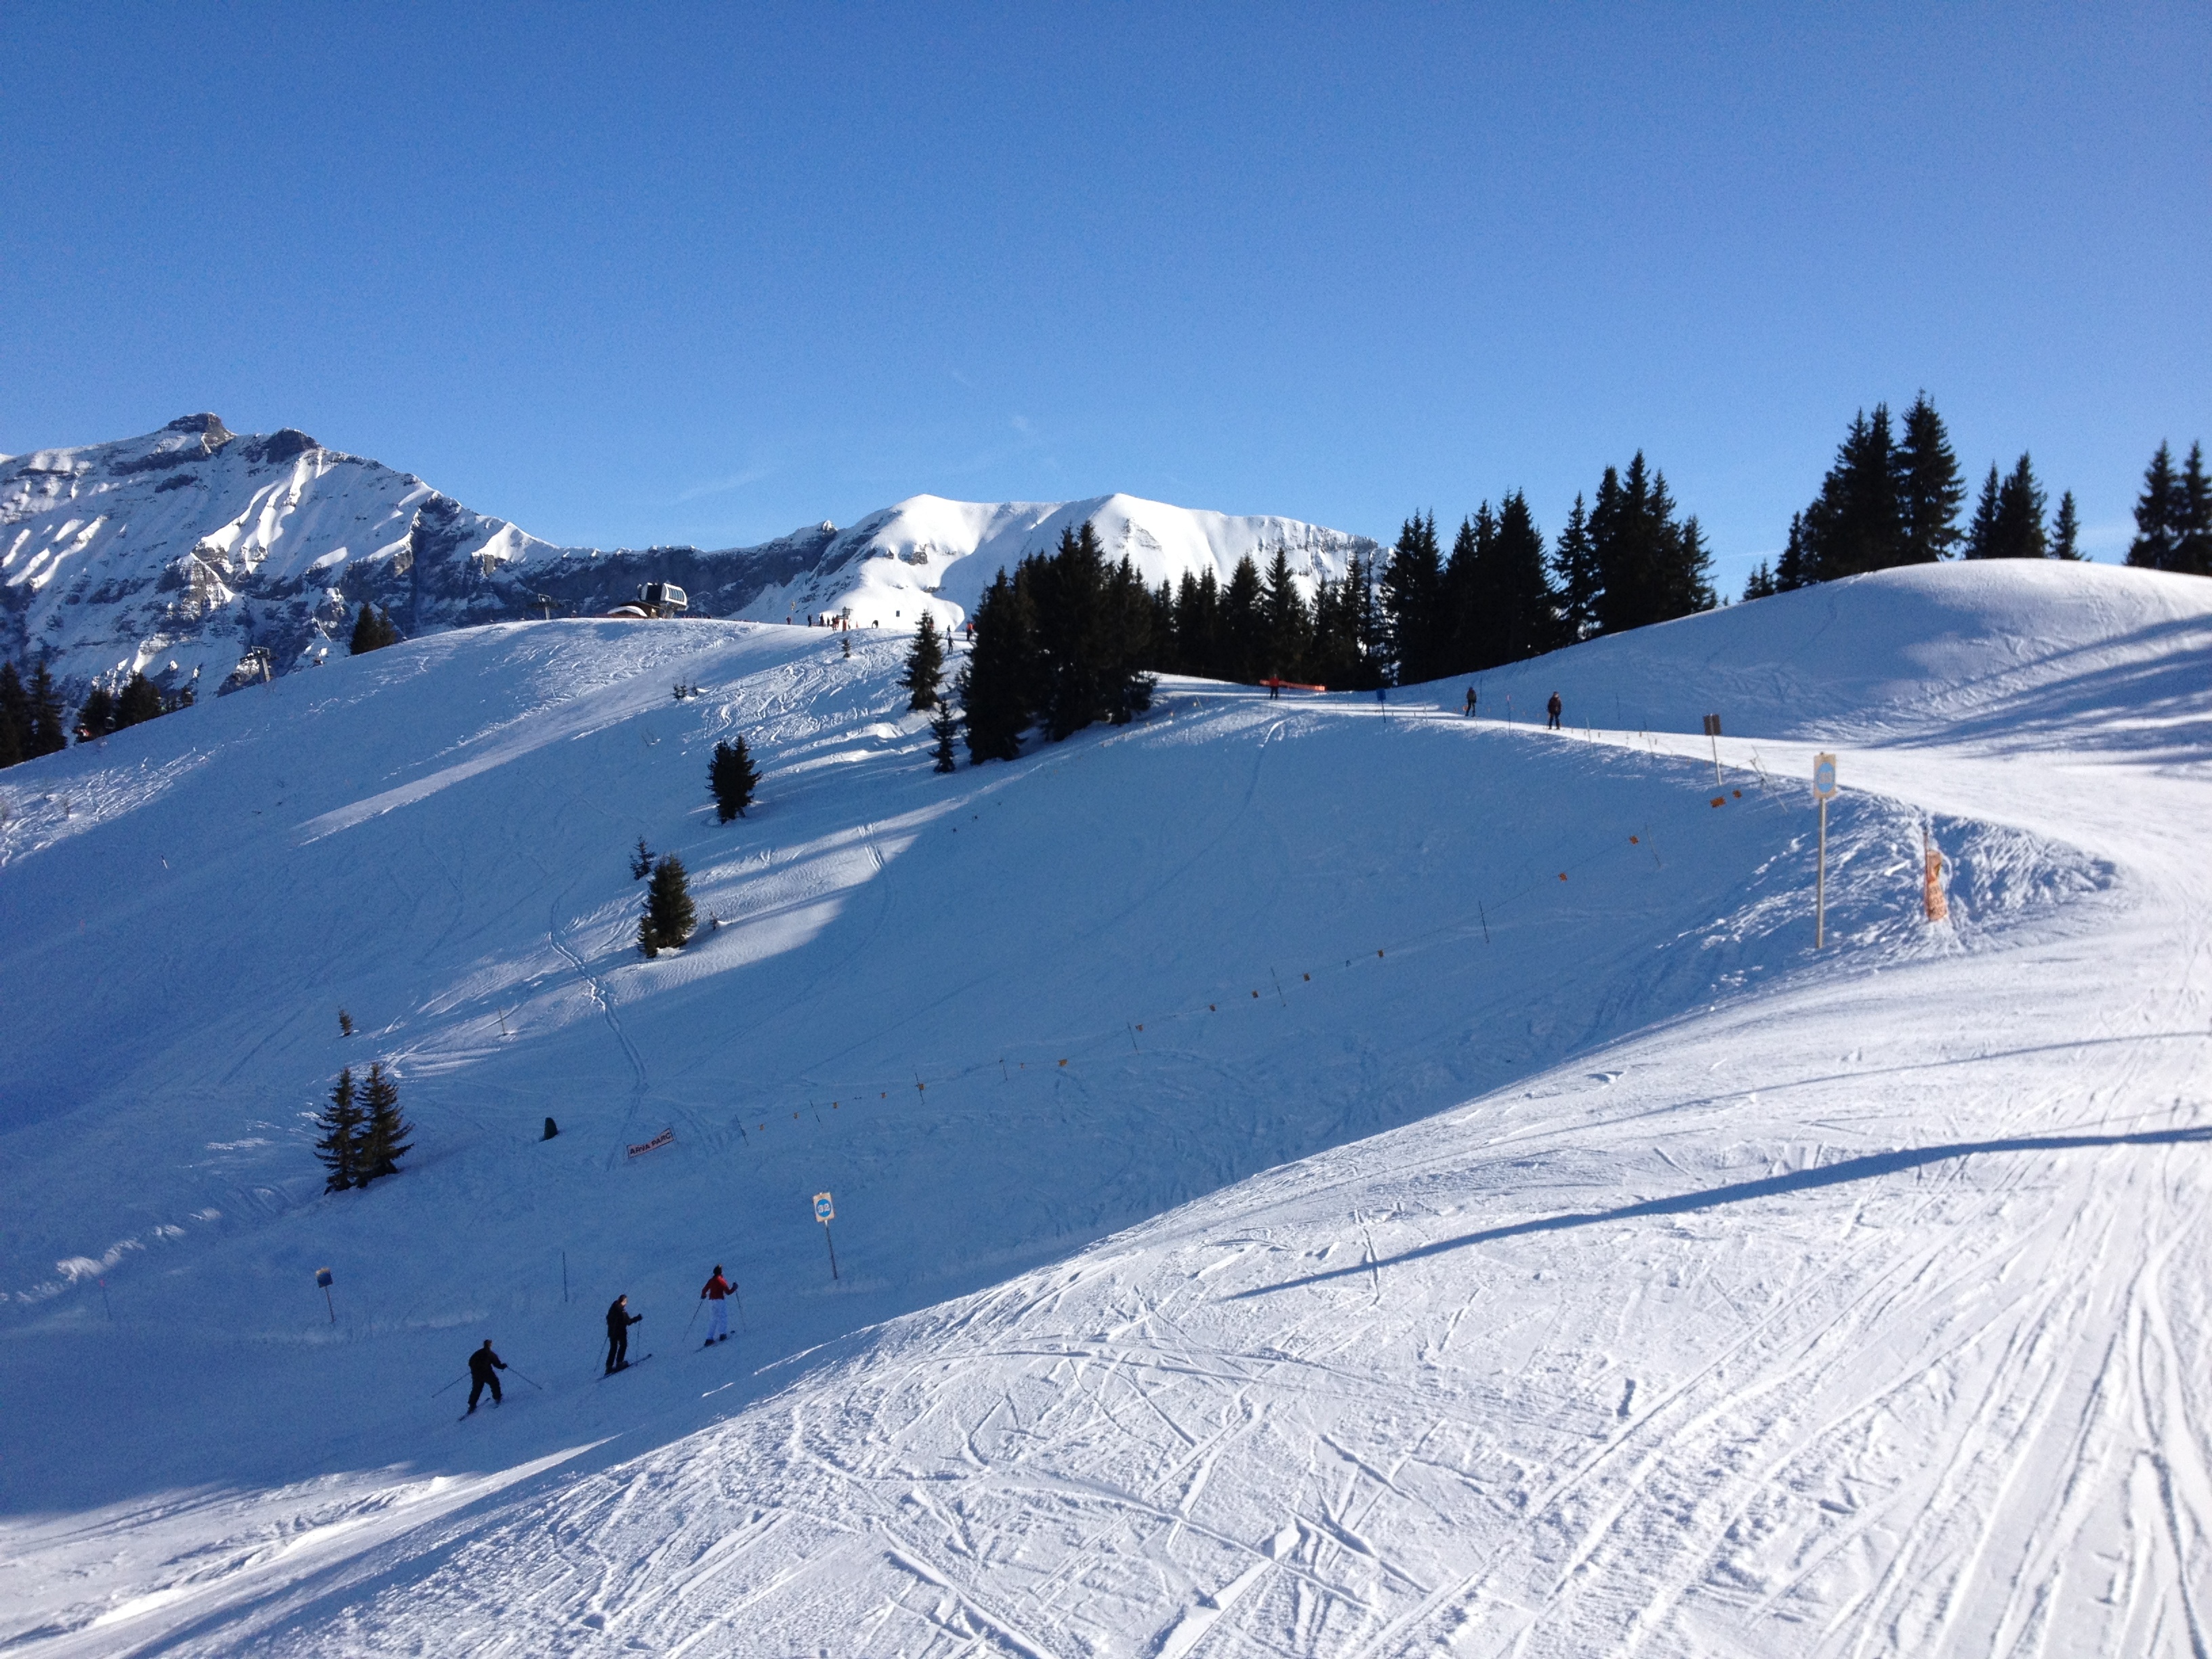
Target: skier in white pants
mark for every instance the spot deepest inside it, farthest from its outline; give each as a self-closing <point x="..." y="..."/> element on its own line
<point x="717" y="1308"/>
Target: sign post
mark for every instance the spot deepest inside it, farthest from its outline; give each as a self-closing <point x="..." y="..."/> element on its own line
<point x="1824" y="791"/>
<point x="825" y="1213"/>
<point x="1713" y="730"/>
<point x="323" y="1279"/>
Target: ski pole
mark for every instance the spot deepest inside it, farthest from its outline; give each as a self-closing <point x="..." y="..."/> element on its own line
<point x="455" y="1384"/>
<point x="694" y="1320"/>
<point x="742" y="1324"/>
<point x="532" y="1381"/>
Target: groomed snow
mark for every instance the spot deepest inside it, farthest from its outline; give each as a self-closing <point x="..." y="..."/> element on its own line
<point x="1576" y="1262"/>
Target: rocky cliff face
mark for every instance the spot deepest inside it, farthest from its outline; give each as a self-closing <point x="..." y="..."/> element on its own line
<point x="196" y="555"/>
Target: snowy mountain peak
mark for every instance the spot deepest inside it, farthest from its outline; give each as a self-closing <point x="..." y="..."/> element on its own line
<point x="190" y="552"/>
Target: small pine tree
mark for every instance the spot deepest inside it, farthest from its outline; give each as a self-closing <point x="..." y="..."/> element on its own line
<point x="96" y="719"/>
<point x="945" y="728"/>
<point x="925" y="666"/>
<point x="49" y="732"/>
<point x="14" y="716"/>
<point x="2159" y="513"/>
<point x="341" y="1122"/>
<point x="648" y="946"/>
<point x="141" y="702"/>
<point x="1761" y="584"/>
<point x="2066" y="530"/>
<point x="641" y="862"/>
<point x="384" y="1141"/>
<point x="732" y="779"/>
<point x="345" y="1023"/>
<point x="2193" y="545"/>
<point x="373" y="629"/>
<point x="668" y="911"/>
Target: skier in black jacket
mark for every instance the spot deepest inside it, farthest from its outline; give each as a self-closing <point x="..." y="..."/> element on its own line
<point x="483" y="1366"/>
<point x="619" y="1319"/>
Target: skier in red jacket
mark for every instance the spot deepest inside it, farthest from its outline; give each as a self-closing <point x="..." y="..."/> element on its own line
<point x="717" y="1308"/>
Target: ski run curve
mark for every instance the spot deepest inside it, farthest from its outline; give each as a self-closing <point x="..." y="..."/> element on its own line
<point x="1313" y="1177"/>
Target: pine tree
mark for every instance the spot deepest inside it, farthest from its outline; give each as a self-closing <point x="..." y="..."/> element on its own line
<point x="997" y="679"/>
<point x="1761" y="584"/>
<point x="1414" y="598"/>
<point x="641" y="862"/>
<point x="49" y="732"/>
<point x="96" y="719"/>
<point x="339" y="1149"/>
<point x="2066" y="530"/>
<point x="1650" y="568"/>
<point x="2020" y="515"/>
<point x="647" y="945"/>
<point x="1287" y="624"/>
<point x="944" y="727"/>
<point x="141" y="702"/>
<point x="1982" y="529"/>
<point x="2193" y="539"/>
<point x="384" y="1139"/>
<point x="2159" y="513"/>
<point x="1244" y="634"/>
<point x="1856" y="523"/>
<point x="14" y="716"/>
<point x="1929" y="490"/>
<point x="730" y="778"/>
<point x="373" y="629"/>
<point x="668" y="906"/>
<point x="924" y="666"/>
<point x="1574" y="568"/>
<point x="1792" y="571"/>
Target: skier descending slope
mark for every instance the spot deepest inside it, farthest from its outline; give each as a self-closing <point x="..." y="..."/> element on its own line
<point x="619" y="1319"/>
<point x="717" y="1308"/>
<point x="484" y="1366"/>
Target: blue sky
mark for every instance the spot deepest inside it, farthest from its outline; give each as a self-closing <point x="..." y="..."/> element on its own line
<point x="704" y="274"/>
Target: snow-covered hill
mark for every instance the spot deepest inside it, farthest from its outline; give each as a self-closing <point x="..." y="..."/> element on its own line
<point x="1312" y="1176"/>
<point x="177" y="554"/>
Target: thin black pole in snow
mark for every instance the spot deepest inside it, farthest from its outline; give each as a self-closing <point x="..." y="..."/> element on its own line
<point x="1485" y="914"/>
<point x="833" y="1249"/>
<point x="532" y="1381"/>
<point x="564" y="1277"/>
<point x="740" y="1296"/>
<point x="104" y="1302"/>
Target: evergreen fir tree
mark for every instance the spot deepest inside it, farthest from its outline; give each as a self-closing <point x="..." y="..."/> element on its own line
<point x="1856" y="523"/>
<point x="1792" y="571"/>
<point x="944" y="727"/>
<point x="373" y="629"/>
<point x="2066" y="530"/>
<point x="2193" y="540"/>
<point x="2019" y="524"/>
<point x="1982" y="529"/>
<point x="141" y="702"/>
<point x="1929" y="489"/>
<point x="384" y="1138"/>
<point x="732" y="779"/>
<point x="1761" y="584"/>
<point x="2159" y="511"/>
<point x="1287" y="624"/>
<point x="339" y="1149"/>
<point x="1574" y="568"/>
<point x="668" y="905"/>
<point x="1528" y="607"/>
<point x="96" y="717"/>
<point x="1412" y="596"/>
<point x="641" y="862"/>
<point x="647" y="945"/>
<point x="49" y="732"/>
<point x="1650" y="568"/>
<point x="924" y="666"/>
<point x="14" y="716"/>
<point x="1244" y="632"/>
<point x="997" y="679"/>
<point x="1129" y="643"/>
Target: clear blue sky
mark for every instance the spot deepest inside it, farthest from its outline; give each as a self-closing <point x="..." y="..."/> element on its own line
<point x="705" y="273"/>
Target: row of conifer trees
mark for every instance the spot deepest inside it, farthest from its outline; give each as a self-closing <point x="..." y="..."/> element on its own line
<point x="363" y="1134"/>
<point x="32" y="723"/>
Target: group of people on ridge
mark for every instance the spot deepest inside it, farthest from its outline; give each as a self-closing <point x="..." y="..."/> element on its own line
<point x="484" y="1365"/>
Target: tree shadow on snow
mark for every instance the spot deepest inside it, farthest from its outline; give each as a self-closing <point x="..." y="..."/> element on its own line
<point x="1828" y="1174"/>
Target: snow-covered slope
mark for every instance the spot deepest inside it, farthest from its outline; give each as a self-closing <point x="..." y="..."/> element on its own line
<point x="1311" y="1175"/>
<point x="177" y="554"/>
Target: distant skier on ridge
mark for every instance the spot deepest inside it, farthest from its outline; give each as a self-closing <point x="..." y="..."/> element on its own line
<point x="1553" y="709"/>
<point x="717" y="1308"/>
<point x="483" y="1368"/>
<point x="619" y="1319"/>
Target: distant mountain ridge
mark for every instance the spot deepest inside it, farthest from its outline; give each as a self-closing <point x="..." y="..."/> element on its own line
<point x="182" y="553"/>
